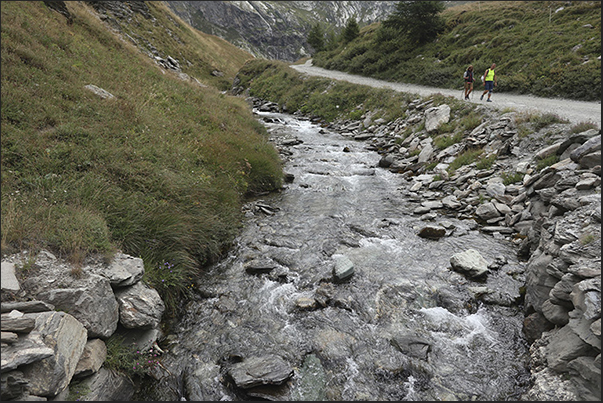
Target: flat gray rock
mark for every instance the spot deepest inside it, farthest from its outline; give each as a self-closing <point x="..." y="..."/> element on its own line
<point x="265" y="370"/>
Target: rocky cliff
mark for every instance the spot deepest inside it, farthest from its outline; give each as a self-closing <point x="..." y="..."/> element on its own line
<point x="275" y="29"/>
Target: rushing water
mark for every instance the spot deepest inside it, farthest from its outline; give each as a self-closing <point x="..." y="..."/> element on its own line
<point x="403" y="327"/>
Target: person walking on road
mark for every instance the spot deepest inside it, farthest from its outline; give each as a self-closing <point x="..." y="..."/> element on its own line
<point x="468" y="77"/>
<point x="489" y="82"/>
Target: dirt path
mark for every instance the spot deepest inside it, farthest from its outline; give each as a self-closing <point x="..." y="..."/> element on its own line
<point x="574" y="111"/>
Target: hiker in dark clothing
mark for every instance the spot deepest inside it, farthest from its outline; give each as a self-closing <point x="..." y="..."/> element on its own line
<point x="468" y="77"/>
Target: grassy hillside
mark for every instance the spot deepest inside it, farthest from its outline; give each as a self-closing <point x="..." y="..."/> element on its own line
<point x="319" y="97"/>
<point x="545" y="48"/>
<point x="159" y="171"/>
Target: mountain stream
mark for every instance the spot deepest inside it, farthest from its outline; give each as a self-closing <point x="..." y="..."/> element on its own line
<point x="403" y="326"/>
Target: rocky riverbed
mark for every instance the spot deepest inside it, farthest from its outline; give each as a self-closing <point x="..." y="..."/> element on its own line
<point x="550" y="217"/>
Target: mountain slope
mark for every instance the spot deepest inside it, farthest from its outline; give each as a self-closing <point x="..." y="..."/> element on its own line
<point x="549" y="49"/>
<point x="158" y="33"/>
<point x="275" y="29"/>
<point x="104" y="148"/>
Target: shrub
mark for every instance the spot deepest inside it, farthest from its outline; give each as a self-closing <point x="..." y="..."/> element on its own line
<point x="467" y="157"/>
<point x="128" y="359"/>
<point x="510" y="178"/>
<point x="546" y="119"/>
<point x="486" y="162"/>
<point x="471" y="121"/>
<point x="587" y="238"/>
<point x="583" y="126"/>
<point x="548" y="161"/>
<point x="447" y="128"/>
<point x="442" y="142"/>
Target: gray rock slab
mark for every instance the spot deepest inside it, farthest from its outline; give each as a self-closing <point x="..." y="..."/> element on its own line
<point x="92" y="358"/>
<point x="107" y="385"/>
<point x="412" y="346"/>
<point x="564" y="346"/>
<point x="25" y="350"/>
<point x="469" y="262"/>
<point x="66" y="337"/>
<point x="343" y="269"/>
<point x="8" y="277"/>
<point x="26" y="306"/>
<point x="124" y="270"/>
<point x="139" y="306"/>
<point x="264" y="370"/>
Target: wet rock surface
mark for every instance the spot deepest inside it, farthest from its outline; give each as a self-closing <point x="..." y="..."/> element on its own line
<point x="394" y="328"/>
<point x="547" y="221"/>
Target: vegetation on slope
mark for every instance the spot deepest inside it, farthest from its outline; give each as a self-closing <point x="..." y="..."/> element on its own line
<point x="318" y="97"/>
<point x="329" y="101"/>
<point x="159" y="171"/>
<point x="544" y="48"/>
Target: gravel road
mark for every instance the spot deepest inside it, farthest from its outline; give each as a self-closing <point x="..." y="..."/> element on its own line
<point x="574" y="111"/>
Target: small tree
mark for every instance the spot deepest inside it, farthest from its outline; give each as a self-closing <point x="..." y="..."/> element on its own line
<point x="316" y="38"/>
<point x="351" y="30"/>
<point x="331" y="41"/>
<point x="419" y="21"/>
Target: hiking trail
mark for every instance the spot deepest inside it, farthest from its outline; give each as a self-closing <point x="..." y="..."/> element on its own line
<point x="574" y="111"/>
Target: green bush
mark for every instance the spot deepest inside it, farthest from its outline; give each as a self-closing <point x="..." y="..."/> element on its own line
<point x="471" y="121"/>
<point x="543" y="120"/>
<point x="442" y="142"/>
<point x="583" y="126"/>
<point x="510" y="178"/>
<point x="465" y="158"/>
<point x="548" y="161"/>
<point x="486" y="162"/>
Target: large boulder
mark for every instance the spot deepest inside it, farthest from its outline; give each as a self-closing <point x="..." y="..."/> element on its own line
<point x="139" y="306"/>
<point x="264" y="370"/>
<point x="436" y="116"/>
<point x="124" y="270"/>
<point x="470" y="263"/>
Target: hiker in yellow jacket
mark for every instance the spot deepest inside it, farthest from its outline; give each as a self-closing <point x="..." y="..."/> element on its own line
<point x="489" y="82"/>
